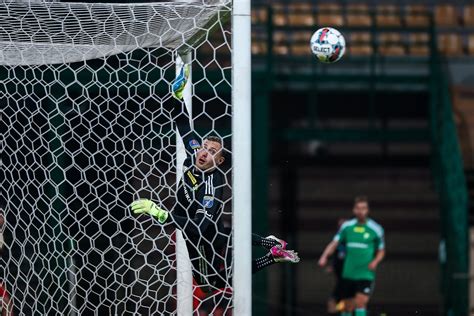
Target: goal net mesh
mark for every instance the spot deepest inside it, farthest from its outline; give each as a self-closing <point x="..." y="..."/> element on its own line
<point x="85" y="131"/>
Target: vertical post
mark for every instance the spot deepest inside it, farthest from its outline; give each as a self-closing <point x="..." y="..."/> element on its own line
<point x="183" y="263"/>
<point x="242" y="175"/>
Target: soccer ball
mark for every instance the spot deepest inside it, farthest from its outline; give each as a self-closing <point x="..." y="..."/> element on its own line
<point x="328" y="45"/>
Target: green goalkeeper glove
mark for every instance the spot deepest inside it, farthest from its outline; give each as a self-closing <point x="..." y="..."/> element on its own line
<point x="146" y="206"/>
<point x="177" y="88"/>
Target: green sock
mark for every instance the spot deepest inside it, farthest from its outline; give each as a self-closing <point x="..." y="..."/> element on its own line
<point x="360" y="312"/>
<point x="346" y="314"/>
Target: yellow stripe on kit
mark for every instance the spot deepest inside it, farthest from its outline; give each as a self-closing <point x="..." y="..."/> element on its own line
<point x="192" y="178"/>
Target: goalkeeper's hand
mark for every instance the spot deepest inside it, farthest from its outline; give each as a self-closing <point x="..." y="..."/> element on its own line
<point x="149" y="207"/>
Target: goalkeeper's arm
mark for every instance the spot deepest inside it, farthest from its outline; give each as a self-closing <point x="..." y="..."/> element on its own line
<point x="208" y="214"/>
<point x="182" y="121"/>
<point x="181" y="116"/>
<point x="191" y="226"/>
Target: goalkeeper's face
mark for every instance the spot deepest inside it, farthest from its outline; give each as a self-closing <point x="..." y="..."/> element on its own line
<point x="210" y="156"/>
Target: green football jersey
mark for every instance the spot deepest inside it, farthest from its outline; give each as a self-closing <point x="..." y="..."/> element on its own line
<point x="362" y="242"/>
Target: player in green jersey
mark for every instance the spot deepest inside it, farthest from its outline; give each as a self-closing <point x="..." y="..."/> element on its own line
<point x="365" y="249"/>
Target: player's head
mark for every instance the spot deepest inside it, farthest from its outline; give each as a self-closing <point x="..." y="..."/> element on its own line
<point x="211" y="154"/>
<point x="361" y="208"/>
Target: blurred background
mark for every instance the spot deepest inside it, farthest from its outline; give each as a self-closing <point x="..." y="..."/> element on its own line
<point x="392" y="120"/>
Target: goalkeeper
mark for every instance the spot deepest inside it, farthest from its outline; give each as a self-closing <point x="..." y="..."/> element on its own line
<point x="198" y="207"/>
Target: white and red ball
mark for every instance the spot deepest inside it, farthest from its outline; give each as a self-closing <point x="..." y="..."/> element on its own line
<point x="328" y="45"/>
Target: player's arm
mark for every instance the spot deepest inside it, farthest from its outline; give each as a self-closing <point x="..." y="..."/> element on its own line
<point x="210" y="200"/>
<point x="328" y="251"/>
<point x="378" y="258"/>
<point x="183" y="123"/>
<point x="204" y="217"/>
<point x="332" y="246"/>
<point x="209" y="196"/>
<point x="380" y="254"/>
<point x="181" y="117"/>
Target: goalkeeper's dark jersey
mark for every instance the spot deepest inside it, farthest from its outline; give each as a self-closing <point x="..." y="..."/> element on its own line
<point x="199" y="198"/>
<point x="197" y="213"/>
<point x="199" y="203"/>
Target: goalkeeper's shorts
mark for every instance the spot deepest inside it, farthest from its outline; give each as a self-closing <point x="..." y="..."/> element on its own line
<point x="211" y="263"/>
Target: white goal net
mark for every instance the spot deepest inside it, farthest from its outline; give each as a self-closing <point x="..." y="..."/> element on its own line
<point x="88" y="126"/>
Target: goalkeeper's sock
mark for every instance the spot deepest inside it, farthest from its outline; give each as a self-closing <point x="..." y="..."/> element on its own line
<point x="263" y="262"/>
<point x="267" y="243"/>
<point x="282" y="243"/>
<point x="360" y="312"/>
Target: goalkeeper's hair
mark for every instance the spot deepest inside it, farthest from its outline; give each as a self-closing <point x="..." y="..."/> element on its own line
<point x="214" y="138"/>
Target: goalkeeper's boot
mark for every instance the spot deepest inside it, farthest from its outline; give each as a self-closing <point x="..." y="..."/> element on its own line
<point x="180" y="82"/>
<point x="280" y="241"/>
<point x="282" y="255"/>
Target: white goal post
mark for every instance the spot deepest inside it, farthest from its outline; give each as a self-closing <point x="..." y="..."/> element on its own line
<point x="83" y="93"/>
<point x="242" y="188"/>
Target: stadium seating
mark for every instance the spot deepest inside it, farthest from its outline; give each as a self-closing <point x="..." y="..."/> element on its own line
<point x="468" y="15"/>
<point x="280" y="43"/>
<point x="450" y="44"/>
<point x="391" y="44"/>
<point x="330" y="14"/>
<point x="300" y="14"/>
<point x="300" y="45"/>
<point x="417" y="15"/>
<point x="453" y="23"/>
<point x="259" y="48"/>
<point x="388" y="15"/>
<point x="470" y="44"/>
<point x="360" y="44"/>
<point x="279" y="15"/>
<point x="446" y="15"/>
<point x="358" y="15"/>
<point x="418" y="44"/>
<point x="259" y="16"/>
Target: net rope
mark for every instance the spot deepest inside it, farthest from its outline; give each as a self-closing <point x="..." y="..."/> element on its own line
<point x="88" y="126"/>
<point x="34" y="33"/>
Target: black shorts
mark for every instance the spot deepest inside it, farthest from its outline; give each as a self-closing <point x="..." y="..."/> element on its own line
<point x="211" y="263"/>
<point x="349" y="287"/>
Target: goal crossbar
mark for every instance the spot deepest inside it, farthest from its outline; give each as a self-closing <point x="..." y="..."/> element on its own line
<point x="34" y="33"/>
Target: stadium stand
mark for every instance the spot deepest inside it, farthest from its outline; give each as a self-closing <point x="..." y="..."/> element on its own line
<point x="452" y="22"/>
<point x="391" y="60"/>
